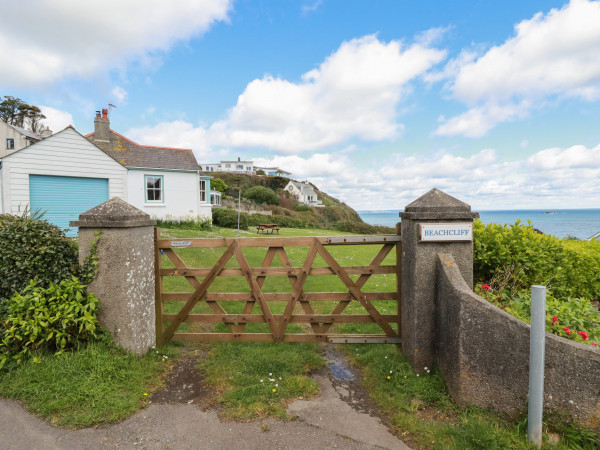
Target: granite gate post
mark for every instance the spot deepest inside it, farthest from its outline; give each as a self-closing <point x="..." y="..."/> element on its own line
<point x="434" y="223"/>
<point x="125" y="281"/>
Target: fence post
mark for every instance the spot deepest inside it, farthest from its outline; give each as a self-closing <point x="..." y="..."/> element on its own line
<point x="125" y="281"/>
<point x="537" y="345"/>
<point x="419" y="263"/>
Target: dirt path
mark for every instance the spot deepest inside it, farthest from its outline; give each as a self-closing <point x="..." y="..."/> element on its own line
<point x="177" y="418"/>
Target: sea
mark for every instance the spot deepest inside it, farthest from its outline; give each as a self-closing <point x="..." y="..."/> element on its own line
<point x="562" y="223"/>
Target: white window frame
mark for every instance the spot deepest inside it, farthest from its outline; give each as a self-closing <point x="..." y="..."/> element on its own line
<point x="203" y="191"/>
<point x="148" y="189"/>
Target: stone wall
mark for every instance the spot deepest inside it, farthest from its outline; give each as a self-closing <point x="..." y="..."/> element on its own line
<point x="483" y="354"/>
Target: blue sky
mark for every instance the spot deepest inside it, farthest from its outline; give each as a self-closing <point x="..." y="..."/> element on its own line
<point x="376" y="102"/>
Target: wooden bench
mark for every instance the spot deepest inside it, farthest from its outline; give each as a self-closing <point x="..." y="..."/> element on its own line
<point x="267" y="228"/>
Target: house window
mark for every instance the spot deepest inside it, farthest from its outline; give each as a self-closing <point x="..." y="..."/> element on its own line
<point x="227" y="165"/>
<point x="203" y="191"/>
<point x="240" y="166"/>
<point x="154" y="188"/>
<point x="10" y="144"/>
<point x="215" y="198"/>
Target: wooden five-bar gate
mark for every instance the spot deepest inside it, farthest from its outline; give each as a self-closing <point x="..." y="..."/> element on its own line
<point x="296" y="305"/>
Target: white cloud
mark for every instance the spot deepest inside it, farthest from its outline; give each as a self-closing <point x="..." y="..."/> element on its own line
<point x="550" y="178"/>
<point x="119" y="94"/>
<point x="56" y="119"/>
<point x="553" y="55"/>
<point x="353" y="94"/>
<point x="178" y="134"/>
<point x="56" y="39"/>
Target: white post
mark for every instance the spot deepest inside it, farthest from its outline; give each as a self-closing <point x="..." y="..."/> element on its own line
<point x="536" y="364"/>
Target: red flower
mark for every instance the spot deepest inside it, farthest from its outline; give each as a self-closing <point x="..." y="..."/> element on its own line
<point x="583" y="334"/>
<point x="567" y="330"/>
<point x="594" y="344"/>
<point x="485" y="287"/>
<point x="554" y="319"/>
<point x="553" y="324"/>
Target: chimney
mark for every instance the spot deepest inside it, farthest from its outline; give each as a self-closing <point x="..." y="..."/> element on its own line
<point x="101" y="126"/>
<point x="238" y="159"/>
<point x="46" y="133"/>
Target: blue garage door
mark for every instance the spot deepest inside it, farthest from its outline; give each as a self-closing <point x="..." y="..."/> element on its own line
<point x="64" y="198"/>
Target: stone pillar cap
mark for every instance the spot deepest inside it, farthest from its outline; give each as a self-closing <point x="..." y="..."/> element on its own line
<point x="114" y="213"/>
<point x="436" y="204"/>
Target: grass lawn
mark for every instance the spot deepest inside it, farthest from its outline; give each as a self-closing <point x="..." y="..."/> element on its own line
<point x="98" y="384"/>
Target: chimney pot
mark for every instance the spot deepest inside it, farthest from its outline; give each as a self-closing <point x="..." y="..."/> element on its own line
<point x="105" y="113"/>
<point x="238" y="159"/>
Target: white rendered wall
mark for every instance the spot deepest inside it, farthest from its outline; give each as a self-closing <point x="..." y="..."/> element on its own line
<point x="181" y="194"/>
<point x="66" y="154"/>
<point x="7" y="132"/>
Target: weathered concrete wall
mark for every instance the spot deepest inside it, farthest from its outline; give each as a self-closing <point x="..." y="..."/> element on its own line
<point x="483" y="354"/>
<point x="125" y="281"/>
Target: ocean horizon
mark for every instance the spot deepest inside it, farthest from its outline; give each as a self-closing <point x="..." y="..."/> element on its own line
<point x="579" y="223"/>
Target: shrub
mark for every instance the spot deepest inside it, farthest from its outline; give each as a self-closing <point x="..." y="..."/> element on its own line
<point x="218" y="185"/>
<point x="57" y="317"/>
<point x="261" y="194"/>
<point x="281" y="220"/>
<point x="515" y="257"/>
<point x="186" y="223"/>
<point x="228" y="218"/>
<point x="33" y="248"/>
<point x="303" y="208"/>
<point x="572" y="318"/>
<point x="362" y="228"/>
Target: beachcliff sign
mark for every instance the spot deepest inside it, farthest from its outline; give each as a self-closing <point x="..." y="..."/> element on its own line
<point x="445" y="232"/>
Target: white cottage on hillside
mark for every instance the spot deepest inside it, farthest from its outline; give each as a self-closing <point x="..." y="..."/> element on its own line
<point x="304" y="193"/>
<point x="67" y="174"/>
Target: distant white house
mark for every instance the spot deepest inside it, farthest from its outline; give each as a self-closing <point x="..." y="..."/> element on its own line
<point x="67" y="174"/>
<point x="13" y="138"/>
<point x="239" y="166"/>
<point x="303" y="193"/>
<point x="595" y="237"/>
<point x="273" y="171"/>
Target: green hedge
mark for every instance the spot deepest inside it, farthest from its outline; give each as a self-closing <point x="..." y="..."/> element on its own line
<point x="33" y="248"/>
<point x="515" y="257"/>
<point x="362" y="228"/>
<point x="228" y="218"/>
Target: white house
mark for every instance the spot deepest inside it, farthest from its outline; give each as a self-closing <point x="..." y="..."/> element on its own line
<point x="13" y="138"/>
<point x="273" y="171"/>
<point x="304" y="193"/>
<point x="239" y="166"/>
<point x="67" y="174"/>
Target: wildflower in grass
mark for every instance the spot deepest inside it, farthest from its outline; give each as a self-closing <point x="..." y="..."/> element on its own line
<point x="145" y="394"/>
<point x="393" y="372"/>
<point x="388" y="377"/>
<point x="274" y="390"/>
<point x="261" y="381"/>
<point x="594" y="344"/>
<point x="270" y="374"/>
<point x="583" y="334"/>
<point x="485" y="287"/>
<point x="567" y="330"/>
<point x="554" y="319"/>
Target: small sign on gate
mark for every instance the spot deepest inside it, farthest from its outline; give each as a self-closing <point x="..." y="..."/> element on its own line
<point x="181" y="243"/>
<point x="445" y="232"/>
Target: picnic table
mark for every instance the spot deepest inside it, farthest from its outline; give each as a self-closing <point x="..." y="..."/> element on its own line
<point x="267" y="228"/>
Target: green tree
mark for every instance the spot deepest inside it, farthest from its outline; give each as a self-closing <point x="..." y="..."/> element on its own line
<point x="218" y="185"/>
<point x="15" y="111"/>
<point x="261" y="194"/>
